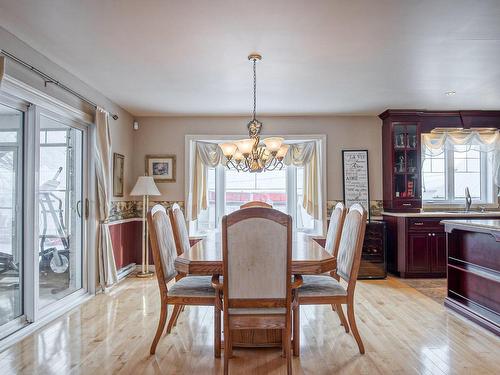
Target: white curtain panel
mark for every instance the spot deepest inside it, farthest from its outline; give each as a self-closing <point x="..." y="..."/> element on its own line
<point x="487" y="141"/>
<point x="305" y="155"/>
<point x="106" y="260"/>
<point x="207" y="155"/>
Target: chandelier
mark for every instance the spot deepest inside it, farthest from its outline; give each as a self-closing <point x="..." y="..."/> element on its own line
<point x="250" y="154"/>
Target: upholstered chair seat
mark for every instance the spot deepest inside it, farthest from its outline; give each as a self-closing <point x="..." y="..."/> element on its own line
<point x="193" y="286"/>
<point x="320" y="286"/>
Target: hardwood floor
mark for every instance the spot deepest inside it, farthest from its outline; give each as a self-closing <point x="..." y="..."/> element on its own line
<point x="404" y="332"/>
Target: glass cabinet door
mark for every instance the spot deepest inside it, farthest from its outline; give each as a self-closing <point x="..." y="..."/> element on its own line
<point x="406" y="161"/>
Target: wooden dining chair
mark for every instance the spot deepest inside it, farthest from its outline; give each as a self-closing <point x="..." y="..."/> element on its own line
<point x="256" y="204"/>
<point x="335" y="228"/>
<point x="325" y="289"/>
<point x="188" y="290"/>
<point x="179" y="227"/>
<point x="257" y="284"/>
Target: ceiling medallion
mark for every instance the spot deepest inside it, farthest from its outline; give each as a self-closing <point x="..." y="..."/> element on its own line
<point x="251" y="155"/>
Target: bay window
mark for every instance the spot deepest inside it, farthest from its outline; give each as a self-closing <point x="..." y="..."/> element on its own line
<point x="227" y="189"/>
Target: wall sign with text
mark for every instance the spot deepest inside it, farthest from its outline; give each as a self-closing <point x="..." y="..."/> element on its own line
<point x="356" y="185"/>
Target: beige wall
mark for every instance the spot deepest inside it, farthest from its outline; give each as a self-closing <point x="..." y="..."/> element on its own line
<point x="121" y="130"/>
<point x="166" y="135"/>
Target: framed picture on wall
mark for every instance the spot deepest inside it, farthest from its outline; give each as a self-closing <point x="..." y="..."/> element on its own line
<point x="356" y="182"/>
<point x="161" y="167"/>
<point x="118" y="172"/>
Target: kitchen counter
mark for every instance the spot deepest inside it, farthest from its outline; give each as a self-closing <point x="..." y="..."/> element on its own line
<point x="474" y="225"/>
<point x="473" y="265"/>
<point x="453" y="214"/>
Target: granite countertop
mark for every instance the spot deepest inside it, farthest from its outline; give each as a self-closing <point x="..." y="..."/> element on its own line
<point x="452" y="214"/>
<point x="493" y="224"/>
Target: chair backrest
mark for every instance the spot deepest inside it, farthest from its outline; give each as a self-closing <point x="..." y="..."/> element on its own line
<point x="351" y="245"/>
<point x="257" y="258"/>
<point x="179" y="227"/>
<point x="256" y="204"/>
<point x="335" y="229"/>
<point x="162" y="245"/>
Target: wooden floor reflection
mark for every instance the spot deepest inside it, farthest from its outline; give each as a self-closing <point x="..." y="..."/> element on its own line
<point x="404" y="332"/>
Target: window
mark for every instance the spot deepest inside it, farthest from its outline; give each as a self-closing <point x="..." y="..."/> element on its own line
<point x="446" y="172"/>
<point x="229" y="189"/>
<point x="269" y="187"/>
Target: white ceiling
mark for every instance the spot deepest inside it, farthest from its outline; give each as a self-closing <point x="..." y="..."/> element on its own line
<point x="320" y="57"/>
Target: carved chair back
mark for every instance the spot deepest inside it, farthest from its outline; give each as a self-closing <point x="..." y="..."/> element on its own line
<point x="335" y="229"/>
<point x="256" y="204"/>
<point x="351" y="245"/>
<point x="257" y="259"/>
<point x="162" y="245"/>
<point x="179" y="227"/>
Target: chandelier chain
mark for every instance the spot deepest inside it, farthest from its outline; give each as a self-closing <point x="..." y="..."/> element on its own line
<point x="254" y="88"/>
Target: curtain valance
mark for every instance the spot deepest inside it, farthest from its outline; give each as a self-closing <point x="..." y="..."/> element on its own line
<point x="481" y="140"/>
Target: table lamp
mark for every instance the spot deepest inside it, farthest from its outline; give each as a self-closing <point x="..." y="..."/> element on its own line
<point x="145" y="186"/>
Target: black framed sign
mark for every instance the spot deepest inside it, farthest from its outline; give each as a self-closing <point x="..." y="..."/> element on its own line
<point x="356" y="182"/>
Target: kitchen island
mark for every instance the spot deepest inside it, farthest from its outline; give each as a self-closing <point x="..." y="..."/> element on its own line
<point x="473" y="266"/>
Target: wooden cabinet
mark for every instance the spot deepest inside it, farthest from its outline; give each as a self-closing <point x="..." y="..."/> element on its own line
<point x="401" y="167"/>
<point x="419" y="257"/>
<point x="416" y="246"/>
<point x="401" y="150"/>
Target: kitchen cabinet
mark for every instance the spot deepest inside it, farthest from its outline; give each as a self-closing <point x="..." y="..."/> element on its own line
<point x="416" y="245"/>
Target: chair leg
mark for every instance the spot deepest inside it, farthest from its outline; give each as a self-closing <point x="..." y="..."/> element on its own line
<point x="354" y="328"/>
<point x="296" y="330"/>
<point x="181" y="309"/>
<point x="340" y="313"/>
<point x="217" y="332"/>
<point x="161" y="326"/>
<point x="227" y="349"/>
<point x="288" y="349"/>
<point x="173" y="318"/>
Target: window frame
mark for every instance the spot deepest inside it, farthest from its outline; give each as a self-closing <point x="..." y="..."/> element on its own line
<point x="319" y="225"/>
<point x="487" y="188"/>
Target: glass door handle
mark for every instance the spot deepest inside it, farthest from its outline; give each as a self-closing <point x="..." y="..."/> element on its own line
<point x="87" y="208"/>
<point x="78" y="208"/>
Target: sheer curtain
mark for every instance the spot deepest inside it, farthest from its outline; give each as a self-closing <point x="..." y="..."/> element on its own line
<point x="207" y="155"/>
<point x="305" y="155"/>
<point x="482" y="140"/>
<point x="106" y="260"/>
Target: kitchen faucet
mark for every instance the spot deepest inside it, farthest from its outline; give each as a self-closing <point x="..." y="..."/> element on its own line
<point x="468" y="199"/>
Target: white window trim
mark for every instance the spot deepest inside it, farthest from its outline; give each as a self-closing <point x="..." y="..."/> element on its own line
<point x="487" y="190"/>
<point x="190" y="140"/>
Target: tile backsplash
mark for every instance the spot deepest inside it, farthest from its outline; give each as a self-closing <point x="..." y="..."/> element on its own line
<point x="121" y="210"/>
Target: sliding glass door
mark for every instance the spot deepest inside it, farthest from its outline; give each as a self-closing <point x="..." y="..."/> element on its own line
<point x="11" y="259"/>
<point x="44" y="163"/>
<point x="60" y="197"/>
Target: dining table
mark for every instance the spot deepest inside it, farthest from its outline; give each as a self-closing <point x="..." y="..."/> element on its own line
<point x="309" y="257"/>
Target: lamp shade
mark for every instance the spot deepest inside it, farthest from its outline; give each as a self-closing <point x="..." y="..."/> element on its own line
<point x="273" y="144"/>
<point x="228" y="149"/>
<point x="145" y="185"/>
<point x="245" y="146"/>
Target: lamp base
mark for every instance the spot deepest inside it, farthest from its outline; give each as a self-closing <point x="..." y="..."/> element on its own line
<point x="145" y="274"/>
